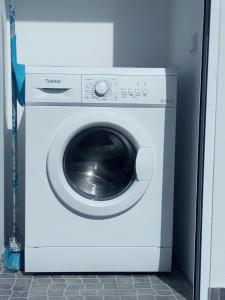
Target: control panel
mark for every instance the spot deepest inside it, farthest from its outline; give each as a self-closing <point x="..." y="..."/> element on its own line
<point x="149" y="90"/>
<point x="129" y="87"/>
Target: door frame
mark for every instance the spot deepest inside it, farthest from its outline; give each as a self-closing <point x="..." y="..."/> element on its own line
<point x="207" y="148"/>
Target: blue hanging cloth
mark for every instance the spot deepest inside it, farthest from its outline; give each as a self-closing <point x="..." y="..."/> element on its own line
<point x="13" y="256"/>
<point x="19" y="72"/>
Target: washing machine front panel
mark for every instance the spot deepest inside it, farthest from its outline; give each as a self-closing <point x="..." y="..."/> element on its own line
<point x="52" y="223"/>
<point x="96" y="167"/>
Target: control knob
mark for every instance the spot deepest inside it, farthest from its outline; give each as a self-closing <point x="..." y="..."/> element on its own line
<point x="101" y="89"/>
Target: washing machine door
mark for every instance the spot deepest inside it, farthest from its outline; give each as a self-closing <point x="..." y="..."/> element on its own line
<point x="100" y="168"/>
<point x="99" y="163"/>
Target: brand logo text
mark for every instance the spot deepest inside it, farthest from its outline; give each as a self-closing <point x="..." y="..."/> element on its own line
<point x="53" y="81"/>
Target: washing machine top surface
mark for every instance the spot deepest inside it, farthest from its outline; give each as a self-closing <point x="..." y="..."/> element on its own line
<point x="101" y="86"/>
<point x="116" y="71"/>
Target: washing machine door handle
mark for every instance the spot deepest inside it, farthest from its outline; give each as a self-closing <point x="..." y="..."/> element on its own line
<point x="144" y="164"/>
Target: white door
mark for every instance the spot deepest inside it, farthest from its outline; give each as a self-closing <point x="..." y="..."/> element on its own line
<point x="97" y="164"/>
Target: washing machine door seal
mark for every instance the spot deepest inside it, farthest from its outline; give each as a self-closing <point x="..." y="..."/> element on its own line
<point x="81" y="163"/>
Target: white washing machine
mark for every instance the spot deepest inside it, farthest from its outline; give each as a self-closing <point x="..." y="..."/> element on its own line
<point x="96" y="169"/>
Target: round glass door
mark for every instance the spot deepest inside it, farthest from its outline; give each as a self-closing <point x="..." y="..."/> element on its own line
<point x="99" y="163"/>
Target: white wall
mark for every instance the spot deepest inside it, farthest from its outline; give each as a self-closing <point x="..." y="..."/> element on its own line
<point x="102" y="33"/>
<point x="218" y="225"/>
<point x="187" y="24"/>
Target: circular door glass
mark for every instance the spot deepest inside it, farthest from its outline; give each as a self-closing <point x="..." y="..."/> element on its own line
<point x="99" y="163"/>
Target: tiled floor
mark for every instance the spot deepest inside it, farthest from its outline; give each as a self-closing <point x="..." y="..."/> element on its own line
<point x="93" y="287"/>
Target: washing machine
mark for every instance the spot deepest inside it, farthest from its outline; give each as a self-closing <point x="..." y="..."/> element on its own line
<point x="96" y="154"/>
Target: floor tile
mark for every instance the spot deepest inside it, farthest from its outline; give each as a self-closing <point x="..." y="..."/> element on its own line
<point x="58" y="286"/>
<point x="93" y="298"/>
<point x="38" y="293"/>
<point x="21" y="287"/>
<point x="39" y="287"/>
<point x="75" y="298"/>
<point x="76" y="287"/>
<point x="55" y="286"/>
<point x="146" y="297"/>
<point x="72" y="293"/>
<point x="127" y="279"/>
<point x="166" y="298"/>
<point x="58" y="280"/>
<point x="141" y="278"/>
<point x="73" y="280"/>
<point x="20" y="294"/>
<point x="5" y="286"/>
<point x="88" y="292"/>
<point x="38" y="298"/>
<point x="125" y="286"/>
<point x="90" y="280"/>
<point x="94" y="286"/>
<point x="142" y="285"/>
<point x="56" y="293"/>
<point x="56" y="298"/>
<point x="129" y="297"/>
<point x="5" y="292"/>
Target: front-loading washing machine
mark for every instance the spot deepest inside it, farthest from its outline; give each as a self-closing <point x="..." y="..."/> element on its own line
<point x="96" y="154"/>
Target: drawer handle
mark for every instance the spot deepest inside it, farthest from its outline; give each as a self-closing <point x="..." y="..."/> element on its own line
<point x="53" y="90"/>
